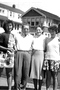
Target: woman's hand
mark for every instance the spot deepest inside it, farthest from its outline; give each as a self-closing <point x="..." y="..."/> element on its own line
<point x="10" y="49"/>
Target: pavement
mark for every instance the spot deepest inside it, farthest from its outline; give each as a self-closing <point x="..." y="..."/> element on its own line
<point x="30" y="86"/>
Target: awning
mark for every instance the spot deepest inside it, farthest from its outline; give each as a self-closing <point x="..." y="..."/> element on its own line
<point x="3" y="18"/>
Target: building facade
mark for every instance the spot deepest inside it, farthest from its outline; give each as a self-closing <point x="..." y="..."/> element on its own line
<point x="36" y="17"/>
<point x="11" y="13"/>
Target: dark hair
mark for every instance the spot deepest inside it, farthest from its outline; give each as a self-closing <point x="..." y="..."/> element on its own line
<point x="54" y="28"/>
<point x="59" y="28"/>
<point x="5" y="23"/>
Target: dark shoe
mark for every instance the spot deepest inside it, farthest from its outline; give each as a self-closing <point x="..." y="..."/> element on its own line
<point x="35" y="89"/>
<point x="23" y="89"/>
<point x="17" y="89"/>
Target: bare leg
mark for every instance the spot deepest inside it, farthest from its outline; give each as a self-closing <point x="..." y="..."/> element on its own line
<point x="40" y="84"/>
<point x="9" y="82"/>
<point x="55" y="82"/>
<point x="48" y="79"/>
<point x="35" y="84"/>
<point x="9" y="77"/>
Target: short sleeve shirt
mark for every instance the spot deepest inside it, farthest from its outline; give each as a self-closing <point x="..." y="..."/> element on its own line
<point x="4" y="40"/>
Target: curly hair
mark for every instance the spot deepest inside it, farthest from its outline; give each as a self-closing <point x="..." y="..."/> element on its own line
<point x="58" y="28"/>
<point x="5" y="23"/>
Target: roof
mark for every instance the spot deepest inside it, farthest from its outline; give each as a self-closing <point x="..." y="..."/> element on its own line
<point x="11" y="8"/>
<point x="49" y="15"/>
<point x="43" y="13"/>
<point x="32" y="8"/>
<point x="3" y="18"/>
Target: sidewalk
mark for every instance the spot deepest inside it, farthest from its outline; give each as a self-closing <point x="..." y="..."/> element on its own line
<point x="30" y="86"/>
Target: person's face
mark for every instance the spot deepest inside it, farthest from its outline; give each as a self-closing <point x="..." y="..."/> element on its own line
<point x="10" y="27"/>
<point x="39" y="31"/>
<point x="26" y="30"/>
<point x="53" y="33"/>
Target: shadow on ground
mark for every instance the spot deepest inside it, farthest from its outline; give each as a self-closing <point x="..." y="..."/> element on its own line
<point x="6" y="88"/>
<point x="3" y="88"/>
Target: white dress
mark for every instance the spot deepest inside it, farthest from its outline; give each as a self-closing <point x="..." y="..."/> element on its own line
<point x="37" y="58"/>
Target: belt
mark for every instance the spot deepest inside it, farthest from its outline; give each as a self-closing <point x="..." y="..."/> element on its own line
<point x="24" y="50"/>
<point x="37" y="50"/>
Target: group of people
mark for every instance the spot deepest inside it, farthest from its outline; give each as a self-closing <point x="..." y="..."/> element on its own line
<point x="30" y="56"/>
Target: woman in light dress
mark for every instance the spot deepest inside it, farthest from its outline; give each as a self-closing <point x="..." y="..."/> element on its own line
<point x="37" y="58"/>
<point x="52" y="58"/>
<point x="7" y="47"/>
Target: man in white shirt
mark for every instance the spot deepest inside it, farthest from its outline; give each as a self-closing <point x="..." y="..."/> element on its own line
<point x="23" y="56"/>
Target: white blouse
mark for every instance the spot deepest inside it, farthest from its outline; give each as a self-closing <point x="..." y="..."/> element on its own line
<point x="53" y="50"/>
<point x="38" y="43"/>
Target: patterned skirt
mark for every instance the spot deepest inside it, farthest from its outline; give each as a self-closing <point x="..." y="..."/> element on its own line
<point x="51" y="65"/>
<point x="6" y="60"/>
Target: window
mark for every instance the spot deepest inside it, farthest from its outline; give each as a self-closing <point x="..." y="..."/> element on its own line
<point x="10" y="13"/>
<point x="3" y="11"/>
<point x="32" y="23"/>
<point x="29" y="20"/>
<point x="0" y="10"/>
<point x="25" y="20"/>
<point x="13" y="14"/>
<point x="17" y="26"/>
<point x="29" y="23"/>
<point x="37" y="23"/>
<point x="19" y="16"/>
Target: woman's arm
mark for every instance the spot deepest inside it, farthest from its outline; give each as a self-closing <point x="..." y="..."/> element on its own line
<point x="4" y="48"/>
<point x="32" y="45"/>
<point x="45" y="45"/>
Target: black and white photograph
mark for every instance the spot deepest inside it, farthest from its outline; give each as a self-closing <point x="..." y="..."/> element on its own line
<point x="29" y="44"/>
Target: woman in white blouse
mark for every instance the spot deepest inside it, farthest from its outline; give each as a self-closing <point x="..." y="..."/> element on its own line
<point x="37" y="58"/>
<point x="52" y="58"/>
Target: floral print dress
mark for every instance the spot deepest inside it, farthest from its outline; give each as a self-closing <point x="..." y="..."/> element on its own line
<point x="7" y="58"/>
